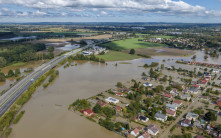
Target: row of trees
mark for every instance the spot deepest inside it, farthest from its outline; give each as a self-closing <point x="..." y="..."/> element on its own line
<point x="23" y="53"/>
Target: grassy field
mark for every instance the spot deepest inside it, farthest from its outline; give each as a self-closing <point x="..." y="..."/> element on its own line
<point x="19" y="64"/>
<point x="117" y="56"/>
<point x="129" y="44"/>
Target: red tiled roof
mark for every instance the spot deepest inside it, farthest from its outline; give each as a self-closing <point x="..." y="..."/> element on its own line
<point x="170" y="112"/>
<point x="118" y="107"/>
<point x="88" y="111"/>
<point x="177" y="102"/>
<point x="101" y="103"/>
<point x="167" y="95"/>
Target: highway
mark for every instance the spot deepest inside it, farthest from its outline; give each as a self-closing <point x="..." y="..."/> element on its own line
<point x="8" y="98"/>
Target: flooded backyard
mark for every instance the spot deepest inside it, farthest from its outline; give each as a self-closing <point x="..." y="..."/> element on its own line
<point x="46" y="114"/>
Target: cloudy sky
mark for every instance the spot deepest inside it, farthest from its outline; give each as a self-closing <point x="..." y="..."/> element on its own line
<point x="191" y="11"/>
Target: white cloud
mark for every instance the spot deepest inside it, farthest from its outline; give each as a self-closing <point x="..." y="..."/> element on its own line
<point x="165" y="7"/>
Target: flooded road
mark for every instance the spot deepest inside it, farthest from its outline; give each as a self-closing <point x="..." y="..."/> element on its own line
<point x="46" y="114"/>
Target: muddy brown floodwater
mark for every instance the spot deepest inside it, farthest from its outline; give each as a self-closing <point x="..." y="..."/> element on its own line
<point x="46" y="114"/>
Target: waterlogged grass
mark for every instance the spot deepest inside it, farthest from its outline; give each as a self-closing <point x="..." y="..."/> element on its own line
<point x="18" y="117"/>
<point x="129" y="44"/>
<point x="7" y="118"/>
<point x="117" y="56"/>
<point x="8" y="132"/>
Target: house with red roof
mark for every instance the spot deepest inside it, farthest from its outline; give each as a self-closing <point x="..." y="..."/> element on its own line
<point x="101" y="103"/>
<point x="119" y="94"/>
<point x="171" y="112"/>
<point x="145" y="135"/>
<point x="87" y="112"/>
<point x="218" y="102"/>
<point x="136" y="131"/>
<point x="118" y="108"/>
<point x="168" y="96"/>
<point x="177" y="102"/>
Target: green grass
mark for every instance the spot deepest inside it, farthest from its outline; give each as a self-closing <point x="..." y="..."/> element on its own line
<point x="129" y="44"/>
<point x="19" y="64"/>
<point x="117" y="56"/>
<point x="18" y="117"/>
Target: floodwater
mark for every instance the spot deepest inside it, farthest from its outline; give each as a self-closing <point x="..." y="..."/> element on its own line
<point x="46" y="114"/>
<point x="20" y="38"/>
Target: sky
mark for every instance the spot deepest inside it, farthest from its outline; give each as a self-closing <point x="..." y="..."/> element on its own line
<point x="185" y="11"/>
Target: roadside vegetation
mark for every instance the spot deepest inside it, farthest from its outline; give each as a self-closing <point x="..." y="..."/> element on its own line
<point x="8" y="117"/>
<point x="18" y="117"/>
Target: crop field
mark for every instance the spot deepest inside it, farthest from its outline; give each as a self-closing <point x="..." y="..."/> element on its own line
<point x="129" y="44"/>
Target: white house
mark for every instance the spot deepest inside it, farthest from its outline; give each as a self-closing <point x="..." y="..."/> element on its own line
<point x="153" y="130"/>
<point x="147" y="84"/>
<point x="112" y="100"/>
<point x="160" y="116"/>
<point x="172" y="106"/>
<point x="191" y="116"/>
<point x="185" y="123"/>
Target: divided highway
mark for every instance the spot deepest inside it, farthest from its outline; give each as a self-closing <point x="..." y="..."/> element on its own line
<point x="8" y="98"/>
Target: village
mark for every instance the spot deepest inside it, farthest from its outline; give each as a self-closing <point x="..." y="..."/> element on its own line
<point x="164" y="102"/>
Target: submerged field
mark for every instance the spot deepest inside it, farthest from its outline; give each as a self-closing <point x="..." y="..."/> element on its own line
<point x="129" y="44"/>
<point x="117" y="56"/>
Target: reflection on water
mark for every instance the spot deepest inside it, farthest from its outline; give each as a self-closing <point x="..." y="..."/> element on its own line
<point x="20" y="38"/>
<point x="44" y="119"/>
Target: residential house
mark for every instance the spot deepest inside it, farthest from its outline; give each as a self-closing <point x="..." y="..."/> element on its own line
<point x="101" y="103"/>
<point x="160" y="116"/>
<point x="145" y="135"/>
<point x="152" y="129"/>
<point x="168" y="96"/>
<point x="185" y="123"/>
<point x="147" y="84"/>
<point x="112" y="100"/>
<point x="119" y="94"/>
<point x="136" y="131"/>
<point x="87" y="112"/>
<point x="218" y="102"/>
<point x="191" y="116"/>
<point x="185" y="97"/>
<point x="172" y="106"/>
<point x="143" y="118"/>
<point x="177" y="102"/>
<point x="118" y="108"/>
<point x="171" y="112"/>
<point x="194" y="89"/>
<point x="174" y="92"/>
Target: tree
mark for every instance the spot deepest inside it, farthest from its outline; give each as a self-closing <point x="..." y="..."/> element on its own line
<point x="194" y="57"/>
<point x="3" y="62"/>
<point x="119" y="84"/>
<point x="10" y="73"/>
<point x="51" y="49"/>
<point x="192" y="121"/>
<point x="132" y="51"/>
<point x="17" y="72"/>
<point x="97" y="109"/>
<point x="109" y="112"/>
<point x="211" y="116"/>
<point x="2" y="76"/>
<point x="205" y="57"/>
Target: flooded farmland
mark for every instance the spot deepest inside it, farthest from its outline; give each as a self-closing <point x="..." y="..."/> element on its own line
<point x="46" y="114"/>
